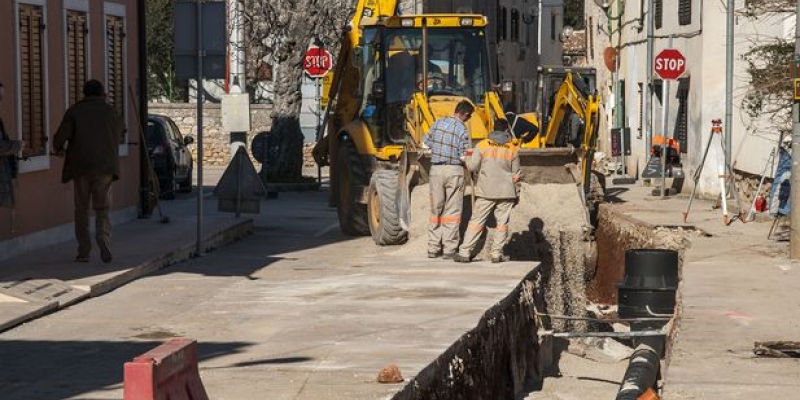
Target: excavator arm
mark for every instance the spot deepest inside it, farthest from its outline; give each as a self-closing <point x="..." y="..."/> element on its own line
<point x="345" y="75"/>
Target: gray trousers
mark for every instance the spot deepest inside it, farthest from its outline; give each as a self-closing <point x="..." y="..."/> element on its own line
<point x="94" y="190"/>
<point x="502" y="213"/>
<point x="447" y="200"/>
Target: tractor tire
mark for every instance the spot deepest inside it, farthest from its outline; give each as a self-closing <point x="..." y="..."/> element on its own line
<point x="384" y="210"/>
<point x="352" y="178"/>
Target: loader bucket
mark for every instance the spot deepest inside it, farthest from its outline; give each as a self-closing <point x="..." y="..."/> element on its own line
<point x="543" y="166"/>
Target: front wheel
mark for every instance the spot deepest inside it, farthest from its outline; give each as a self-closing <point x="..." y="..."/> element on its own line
<point x="384" y="210"/>
<point x="350" y="182"/>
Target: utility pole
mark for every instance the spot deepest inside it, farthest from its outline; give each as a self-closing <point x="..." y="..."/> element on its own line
<point x="648" y="90"/>
<point x="729" y="87"/>
<point x="794" y="211"/>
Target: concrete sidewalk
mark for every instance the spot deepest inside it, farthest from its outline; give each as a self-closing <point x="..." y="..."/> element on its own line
<point x="738" y="287"/>
<point x="44" y="281"/>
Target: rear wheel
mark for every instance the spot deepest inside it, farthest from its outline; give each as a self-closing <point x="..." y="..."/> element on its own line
<point x="186" y="185"/>
<point x="384" y="213"/>
<point x="352" y="178"/>
<point x="168" y="185"/>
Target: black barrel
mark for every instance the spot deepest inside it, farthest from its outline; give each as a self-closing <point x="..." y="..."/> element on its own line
<point x="651" y="280"/>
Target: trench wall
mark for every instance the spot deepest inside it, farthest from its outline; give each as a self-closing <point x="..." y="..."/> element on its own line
<point x="617" y="232"/>
<point x="495" y="359"/>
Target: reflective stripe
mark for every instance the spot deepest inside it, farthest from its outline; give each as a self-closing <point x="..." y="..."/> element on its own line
<point x="456" y="219"/>
<point x="500" y="153"/>
<point x="475" y="227"/>
<point x="502" y="228"/>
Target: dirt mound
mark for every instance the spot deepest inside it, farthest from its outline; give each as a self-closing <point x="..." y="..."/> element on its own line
<point x="547" y="225"/>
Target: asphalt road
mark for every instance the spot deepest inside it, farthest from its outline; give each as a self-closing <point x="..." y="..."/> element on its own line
<point x="295" y="311"/>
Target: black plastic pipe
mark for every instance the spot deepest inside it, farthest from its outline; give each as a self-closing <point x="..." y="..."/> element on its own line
<point x="643" y="370"/>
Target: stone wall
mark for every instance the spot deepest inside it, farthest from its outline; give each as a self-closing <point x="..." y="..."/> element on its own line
<point x="216" y="142"/>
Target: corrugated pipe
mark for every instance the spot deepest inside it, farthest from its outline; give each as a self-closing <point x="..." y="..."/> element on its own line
<point x="642" y="371"/>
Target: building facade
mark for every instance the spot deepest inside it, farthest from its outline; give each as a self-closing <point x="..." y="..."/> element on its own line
<point x="698" y="31"/>
<point x="51" y="47"/>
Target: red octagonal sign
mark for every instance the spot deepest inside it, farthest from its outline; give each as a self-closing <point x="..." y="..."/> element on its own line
<point x="669" y="64"/>
<point x="317" y="62"/>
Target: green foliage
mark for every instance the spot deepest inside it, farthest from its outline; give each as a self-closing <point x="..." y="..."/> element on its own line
<point x="573" y="13"/>
<point x="161" y="82"/>
<point x="770" y="91"/>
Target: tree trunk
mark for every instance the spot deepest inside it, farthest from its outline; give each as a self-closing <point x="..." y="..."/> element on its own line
<point x="286" y="165"/>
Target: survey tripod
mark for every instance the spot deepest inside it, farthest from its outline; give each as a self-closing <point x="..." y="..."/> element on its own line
<point x="725" y="175"/>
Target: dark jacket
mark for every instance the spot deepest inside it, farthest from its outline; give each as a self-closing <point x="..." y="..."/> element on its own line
<point x="8" y="167"/>
<point x="92" y="130"/>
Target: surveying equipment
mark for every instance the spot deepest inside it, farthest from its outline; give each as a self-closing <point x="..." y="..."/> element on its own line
<point x="725" y="174"/>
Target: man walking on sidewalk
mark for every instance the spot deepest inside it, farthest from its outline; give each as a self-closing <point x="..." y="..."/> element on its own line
<point x="90" y="132"/>
<point x="448" y="140"/>
<point x="496" y="160"/>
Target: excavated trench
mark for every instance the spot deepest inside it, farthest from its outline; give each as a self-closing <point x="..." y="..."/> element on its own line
<point x="509" y="354"/>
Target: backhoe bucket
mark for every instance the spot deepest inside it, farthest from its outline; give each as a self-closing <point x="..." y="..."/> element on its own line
<point x="553" y="165"/>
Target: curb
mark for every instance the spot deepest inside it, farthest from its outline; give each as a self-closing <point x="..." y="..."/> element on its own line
<point x="180" y="254"/>
<point x="176" y="256"/>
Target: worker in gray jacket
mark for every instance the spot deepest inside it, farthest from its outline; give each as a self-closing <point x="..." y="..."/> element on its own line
<point x="496" y="160"/>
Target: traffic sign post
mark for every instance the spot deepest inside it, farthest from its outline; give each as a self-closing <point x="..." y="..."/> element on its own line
<point x="669" y="64"/>
<point x="316" y="63"/>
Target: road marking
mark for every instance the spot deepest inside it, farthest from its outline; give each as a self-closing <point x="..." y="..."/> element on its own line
<point x="326" y="230"/>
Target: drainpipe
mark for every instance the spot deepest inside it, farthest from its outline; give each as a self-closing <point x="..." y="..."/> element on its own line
<point x="643" y="370"/>
<point x="142" y="78"/>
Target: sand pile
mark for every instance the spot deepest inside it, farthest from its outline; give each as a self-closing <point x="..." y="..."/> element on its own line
<point x="547" y="225"/>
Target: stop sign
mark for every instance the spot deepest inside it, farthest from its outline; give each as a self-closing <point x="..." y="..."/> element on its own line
<point x="317" y="62"/>
<point x="669" y="64"/>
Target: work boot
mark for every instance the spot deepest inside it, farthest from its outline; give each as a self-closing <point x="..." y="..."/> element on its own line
<point x="460" y="258"/>
<point x="449" y="256"/>
<point x="434" y="254"/>
<point x="500" y="258"/>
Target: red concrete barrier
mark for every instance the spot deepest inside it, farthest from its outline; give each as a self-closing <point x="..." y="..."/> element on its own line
<point x="168" y="372"/>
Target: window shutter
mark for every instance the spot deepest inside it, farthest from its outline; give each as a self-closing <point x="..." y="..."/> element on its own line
<point x="681" y="133"/>
<point x="31" y="57"/>
<point x="684" y="12"/>
<point x="658" y="13"/>
<point x="115" y="87"/>
<point x="77" y="54"/>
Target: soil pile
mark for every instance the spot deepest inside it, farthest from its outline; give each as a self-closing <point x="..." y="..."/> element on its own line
<point x="548" y="225"/>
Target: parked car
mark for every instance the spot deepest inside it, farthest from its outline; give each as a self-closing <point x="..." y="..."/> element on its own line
<point x="170" y="155"/>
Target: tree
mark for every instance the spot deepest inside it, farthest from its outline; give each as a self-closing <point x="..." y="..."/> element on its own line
<point x="573" y="13"/>
<point x="161" y="82"/>
<point x="278" y="32"/>
<point x="768" y="66"/>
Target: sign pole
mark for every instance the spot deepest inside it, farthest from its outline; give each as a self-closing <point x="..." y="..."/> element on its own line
<point x="319" y="122"/>
<point x="665" y="124"/>
<point x="199" y="245"/>
<point x="794" y="208"/>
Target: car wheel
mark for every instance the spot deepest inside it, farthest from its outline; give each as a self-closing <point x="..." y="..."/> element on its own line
<point x="168" y="186"/>
<point x="186" y="185"/>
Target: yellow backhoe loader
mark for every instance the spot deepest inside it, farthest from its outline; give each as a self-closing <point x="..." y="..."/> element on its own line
<point x="395" y="75"/>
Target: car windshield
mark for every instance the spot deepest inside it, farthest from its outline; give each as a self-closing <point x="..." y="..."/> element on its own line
<point x="456" y="62"/>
